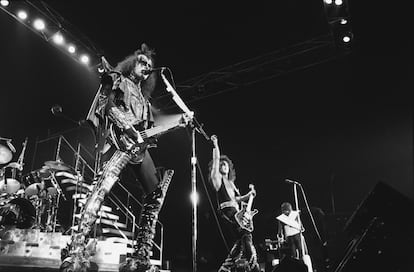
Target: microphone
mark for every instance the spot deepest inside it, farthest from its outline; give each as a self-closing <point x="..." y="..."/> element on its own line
<point x="149" y="71"/>
<point x="291" y="181"/>
<point x="56" y="109"/>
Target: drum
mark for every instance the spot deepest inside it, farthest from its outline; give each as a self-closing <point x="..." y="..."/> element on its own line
<point x="31" y="178"/>
<point x="9" y="185"/>
<point x="18" y="212"/>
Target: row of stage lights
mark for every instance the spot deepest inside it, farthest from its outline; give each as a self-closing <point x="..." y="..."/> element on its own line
<point x="39" y="25"/>
<point x="338" y="17"/>
<point x="335" y="2"/>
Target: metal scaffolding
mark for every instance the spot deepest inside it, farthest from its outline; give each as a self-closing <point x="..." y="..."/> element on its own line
<point x="296" y="57"/>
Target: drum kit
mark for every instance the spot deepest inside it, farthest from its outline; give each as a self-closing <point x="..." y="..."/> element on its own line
<point x="33" y="200"/>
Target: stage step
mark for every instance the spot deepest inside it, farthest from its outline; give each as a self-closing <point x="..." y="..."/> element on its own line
<point x="128" y="234"/>
<point x="111" y="222"/>
<point x="104" y="208"/>
<point x="102" y="214"/>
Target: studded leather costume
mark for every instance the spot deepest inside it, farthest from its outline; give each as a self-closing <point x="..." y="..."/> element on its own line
<point x="125" y="107"/>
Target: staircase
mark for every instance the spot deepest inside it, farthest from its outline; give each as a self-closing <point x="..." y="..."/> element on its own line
<point x="117" y="222"/>
<point x="119" y="214"/>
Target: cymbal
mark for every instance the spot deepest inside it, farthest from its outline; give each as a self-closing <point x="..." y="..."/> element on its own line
<point x="5" y="154"/>
<point x="57" y="165"/>
<point x="13" y="186"/>
<point x="15" y="165"/>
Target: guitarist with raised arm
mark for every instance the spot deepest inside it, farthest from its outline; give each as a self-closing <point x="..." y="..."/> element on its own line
<point x="121" y="114"/>
<point x="223" y="175"/>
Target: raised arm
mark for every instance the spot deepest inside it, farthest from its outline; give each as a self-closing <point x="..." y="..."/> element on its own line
<point x="215" y="174"/>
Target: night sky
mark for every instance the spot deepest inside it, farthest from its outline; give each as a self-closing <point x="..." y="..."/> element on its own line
<point x="339" y="127"/>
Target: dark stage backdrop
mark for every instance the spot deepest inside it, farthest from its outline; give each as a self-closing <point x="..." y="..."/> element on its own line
<point x="339" y="128"/>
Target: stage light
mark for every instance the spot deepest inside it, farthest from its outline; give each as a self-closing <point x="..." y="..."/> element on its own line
<point x="58" y="38"/>
<point x="338" y="2"/>
<point x="84" y="59"/>
<point x="343" y="21"/>
<point x="71" y="49"/>
<point x="39" y="24"/>
<point x="347" y="37"/>
<point x="4" y="3"/>
<point x="194" y="197"/>
<point x="22" y="14"/>
<point x="328" y="2"/>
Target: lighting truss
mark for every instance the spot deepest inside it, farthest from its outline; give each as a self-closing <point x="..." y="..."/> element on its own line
<point x="294" y="58"/>
<point x="54" y="23"/>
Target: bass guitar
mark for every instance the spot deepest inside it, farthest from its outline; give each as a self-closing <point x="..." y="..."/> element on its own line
<point x="136" y="147"/>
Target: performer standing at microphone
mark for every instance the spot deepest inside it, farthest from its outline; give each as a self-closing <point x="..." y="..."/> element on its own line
<point x="120" y="110"/>
<point x="289" y="230"/>
<point x="223" y="175"/>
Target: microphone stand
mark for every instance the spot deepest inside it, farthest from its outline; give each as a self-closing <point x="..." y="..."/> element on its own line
<point x="305" y="255"/>
<point x="295" y="193"/>
<point x="195" y="126"/>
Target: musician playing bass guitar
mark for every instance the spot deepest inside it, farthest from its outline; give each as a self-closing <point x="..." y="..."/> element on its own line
<point x="242" y="255"/>
<point x="122" y="116"/>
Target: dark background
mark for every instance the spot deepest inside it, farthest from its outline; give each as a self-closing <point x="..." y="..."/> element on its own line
<point x="339" y="127"/>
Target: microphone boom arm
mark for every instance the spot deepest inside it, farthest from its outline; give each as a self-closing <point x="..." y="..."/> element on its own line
<point x="180" y="103"/>
<point x="177" y="99"/>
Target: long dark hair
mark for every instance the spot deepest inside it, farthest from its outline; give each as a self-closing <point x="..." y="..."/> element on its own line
<point x="126" y="66"/>
<point x="232" y="171"/>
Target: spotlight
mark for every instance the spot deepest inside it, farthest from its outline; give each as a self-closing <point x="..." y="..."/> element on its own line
<point x="4" y="3"/>
<point x="58" y="38"/>
<point x="39" y="24"/>
<point x="343" y="21"/>
<point x="338" y="2"/>
<point x="194" y="197"/>
<point x="71" y="49"/>
<point x="347" y="37"/>
<point x="22" y="14"/>
<point x="328" y="2"/>
<point x="84" y="59"/>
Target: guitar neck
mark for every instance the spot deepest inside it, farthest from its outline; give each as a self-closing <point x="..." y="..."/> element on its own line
<point x="249" y="203"/>
<point x="158" y="130"/>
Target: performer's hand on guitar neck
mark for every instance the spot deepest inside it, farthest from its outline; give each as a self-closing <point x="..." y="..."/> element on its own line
<point x="252" y="190"/>
<point x="134" y="134"/>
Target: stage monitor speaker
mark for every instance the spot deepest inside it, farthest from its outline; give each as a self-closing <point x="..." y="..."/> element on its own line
<point x="383" y="202"/>
<point x="380" y="233"/>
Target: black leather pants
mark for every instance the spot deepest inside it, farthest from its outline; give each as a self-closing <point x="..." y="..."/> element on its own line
<point x="242" y="256"/>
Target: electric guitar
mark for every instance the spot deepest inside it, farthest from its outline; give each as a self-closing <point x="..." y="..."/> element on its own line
<point x="136" y="147"/>
<point x="244" y="217"/>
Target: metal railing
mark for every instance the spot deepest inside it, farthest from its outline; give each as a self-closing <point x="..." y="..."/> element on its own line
<point x="114" y="199"/>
